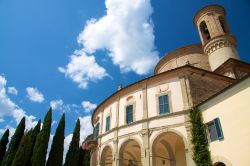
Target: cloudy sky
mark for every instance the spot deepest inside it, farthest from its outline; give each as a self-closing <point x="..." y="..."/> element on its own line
<point x="74" y="54"/>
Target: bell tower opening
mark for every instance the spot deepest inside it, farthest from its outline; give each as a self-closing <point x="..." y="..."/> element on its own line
<point x="224" y="25"/>
<point x="204" y="31"/>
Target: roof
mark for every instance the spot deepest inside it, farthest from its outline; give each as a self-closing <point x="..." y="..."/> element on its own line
<point x="224" y="90"/>
<point x="231" y="62"/>
<point x="206" y="9"/>
<point x="186" y="50"/>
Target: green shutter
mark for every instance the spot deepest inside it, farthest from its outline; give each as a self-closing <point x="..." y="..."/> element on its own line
<point x="218" y="128"/>
<point x="163" y="104"/>
<point x="129" y="114"/>
<point x="108" y="123"/>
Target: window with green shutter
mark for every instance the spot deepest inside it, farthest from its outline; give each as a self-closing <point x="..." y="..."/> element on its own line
<point x="96" y="131"/>
<point x="215" y="130"/>
<point x="129" y="114"/>
<point x="107" y="124"/>
<point x="163" y="104"/>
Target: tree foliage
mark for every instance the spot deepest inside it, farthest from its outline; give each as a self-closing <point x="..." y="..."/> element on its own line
<point x="84" y="157"/>
<point x="24" y="152"/>
<point x="14" y="143"/>
<point x="3" y="144"/>
<point x="41" y="144"/>
<point x="201" y="153"/>
<point x="56" y="152"/>
<point x="73" y="152"/>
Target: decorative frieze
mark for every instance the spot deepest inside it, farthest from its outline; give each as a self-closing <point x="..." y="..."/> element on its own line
<point x="219" y="42"/>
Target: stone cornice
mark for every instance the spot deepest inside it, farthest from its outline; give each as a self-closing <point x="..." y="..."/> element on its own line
<point x="174" y="114"/>
<point x="219" y="42"/>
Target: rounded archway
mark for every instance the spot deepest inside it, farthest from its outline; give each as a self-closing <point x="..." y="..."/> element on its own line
<point x="106" y="157"/>
<point x="130" y="154"/>
<point x="168" y="149"/>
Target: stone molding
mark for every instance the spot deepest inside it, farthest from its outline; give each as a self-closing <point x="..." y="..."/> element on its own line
<point x="184" y="112"/>
<point x="219" y="42"/>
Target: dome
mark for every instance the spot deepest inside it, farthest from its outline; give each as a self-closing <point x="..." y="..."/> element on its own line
<point x="191" y="54"/>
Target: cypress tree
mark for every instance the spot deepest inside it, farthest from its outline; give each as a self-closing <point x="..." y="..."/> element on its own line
<point x="201" y="153"/>
<point x="14" y="143"/>
<point x="25" y="149"/>
<point x="31" y="144"/>
<point x="84" y="157"/>
<point x="72" y="155"/>
<point x="21" y="152"/>
<point x="40" y="149"/>
<point x="56" y="152"/>
<point x="3" y="144"/>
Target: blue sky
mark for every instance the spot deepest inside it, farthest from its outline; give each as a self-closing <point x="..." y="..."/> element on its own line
<point x="75" y="54"/>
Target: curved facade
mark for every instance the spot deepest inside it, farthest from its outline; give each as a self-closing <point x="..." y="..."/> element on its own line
<point x="165" y="132"/>
<point x="147" y="123"/>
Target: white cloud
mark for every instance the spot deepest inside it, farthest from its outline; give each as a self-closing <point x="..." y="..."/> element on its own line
<point x="34" y="95"/>
<point x="86" y="127"/>
<point x="18" y="114"/>
<point x="11" y="130"/>
<point x="56" y="104"/>
<point x="87" y="106"/>
<point x="67" y="141"/>
<point x="6" y="105"/>
<point x="49" y="145"/>
<point x="12" y="90"/>
<point x="53" y="122"/>
<point x="85" y="130"/>
<point x="82" y="69"/>
<point x="126" y="32"/>
<point x="9" y="108"/>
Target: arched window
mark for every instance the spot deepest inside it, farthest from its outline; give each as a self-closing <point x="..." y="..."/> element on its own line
<point x="223" y="25"/>
<point x="204" y="31"/>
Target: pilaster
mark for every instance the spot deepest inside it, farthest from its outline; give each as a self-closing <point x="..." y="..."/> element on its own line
<point x="115" y="141"/>
<point x="145" y="149"/>
<point x="189" y="149"/>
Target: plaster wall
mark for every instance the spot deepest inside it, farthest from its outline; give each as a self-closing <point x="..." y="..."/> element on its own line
<point x="131" y="129"/>
<point x="109" y="111"/>
<point x="221" y="55"/>
<point x="232" y="108"/>
<point x="166" y="121"/>
<point x="107" y="137"/>
<point x="172" y="87"/>
<point x="134" y="98"/>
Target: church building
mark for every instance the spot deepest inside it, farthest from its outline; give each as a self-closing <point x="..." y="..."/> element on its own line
<point x="147" y="123"/>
